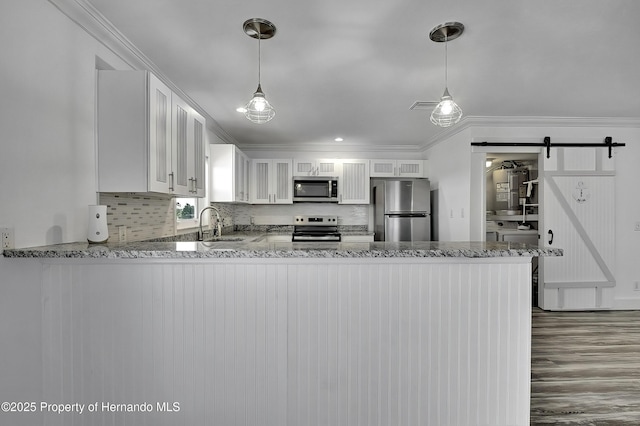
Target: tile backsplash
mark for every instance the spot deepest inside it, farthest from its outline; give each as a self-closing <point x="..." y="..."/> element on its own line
<point x="146" y="216"/>
<point x="282" y="214"/>
<point x="151" y="216"/>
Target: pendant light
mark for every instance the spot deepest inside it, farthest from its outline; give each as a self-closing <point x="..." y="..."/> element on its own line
<point x="259" y="110"/>
<point x="447" y="112"/>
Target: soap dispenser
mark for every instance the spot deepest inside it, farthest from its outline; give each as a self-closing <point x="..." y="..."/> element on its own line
<point x="98" y="231"/>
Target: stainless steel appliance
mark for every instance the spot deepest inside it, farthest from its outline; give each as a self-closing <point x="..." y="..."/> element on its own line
<point x="315" y="189"/>
<point x="511" y="192"/>
<point x="315" y="228"/>
<point x="402" y="210"/>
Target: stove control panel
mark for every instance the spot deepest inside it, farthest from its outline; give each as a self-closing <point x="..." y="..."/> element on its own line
<point x="316" y="220"/>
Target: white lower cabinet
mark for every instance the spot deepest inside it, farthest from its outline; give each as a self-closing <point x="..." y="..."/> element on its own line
<point x="353" y="185"/>
<point x="271" y="181"/>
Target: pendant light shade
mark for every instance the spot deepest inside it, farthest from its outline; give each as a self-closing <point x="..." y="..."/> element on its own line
<point x="447" y="112"/>
<point x="258" y="109"/>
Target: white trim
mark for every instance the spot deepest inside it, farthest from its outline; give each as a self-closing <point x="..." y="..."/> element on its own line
<point x="545" y="122"/>
<point x="87" y="17"/>
<point x="333" y="148"/>
<point x="579" y="284"/>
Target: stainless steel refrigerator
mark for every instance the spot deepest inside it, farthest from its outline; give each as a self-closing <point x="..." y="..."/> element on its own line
<point x="402" y="210"/>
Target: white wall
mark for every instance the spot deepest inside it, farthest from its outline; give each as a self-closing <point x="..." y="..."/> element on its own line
<point x="47" y="161"/>
<point x="449" y="173"/>
<point x="450" y="164"/>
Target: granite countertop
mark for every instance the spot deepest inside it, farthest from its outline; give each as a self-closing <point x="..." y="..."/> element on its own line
<point x="252" y="245"/>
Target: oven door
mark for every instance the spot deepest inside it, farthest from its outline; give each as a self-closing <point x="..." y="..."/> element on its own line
<point x="315" y="237"/>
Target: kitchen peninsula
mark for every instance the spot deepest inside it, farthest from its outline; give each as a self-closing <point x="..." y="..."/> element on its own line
<point x="248" y="332"/>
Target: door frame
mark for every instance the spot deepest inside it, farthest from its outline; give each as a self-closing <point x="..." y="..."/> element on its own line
<point x="478" y="186"/>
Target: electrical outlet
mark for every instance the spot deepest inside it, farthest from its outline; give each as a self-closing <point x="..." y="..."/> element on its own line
<point x="637" y="228"/>
<point x="6" y="237"/>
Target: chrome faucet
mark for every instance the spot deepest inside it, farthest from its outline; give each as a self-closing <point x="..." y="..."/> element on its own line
<point x="217" y="232"/>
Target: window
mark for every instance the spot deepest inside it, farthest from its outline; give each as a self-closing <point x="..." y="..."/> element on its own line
<point x="187" y="210"/>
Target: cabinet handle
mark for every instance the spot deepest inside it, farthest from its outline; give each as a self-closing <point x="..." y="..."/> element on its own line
<point x="195" y="185"/>
<point x="550" y="236"/>
<point x="171" y="181"/>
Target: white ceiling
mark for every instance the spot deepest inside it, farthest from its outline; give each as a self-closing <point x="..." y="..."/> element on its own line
<point x="352" y="68"/>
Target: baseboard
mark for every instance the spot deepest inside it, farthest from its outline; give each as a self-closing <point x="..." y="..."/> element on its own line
<point x="629" y="303"/>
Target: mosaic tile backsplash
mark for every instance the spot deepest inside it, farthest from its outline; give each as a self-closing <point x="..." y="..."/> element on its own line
<point x="150" y="216"/>
<point x="246" y="214"/>
<point x="146" y="216"/>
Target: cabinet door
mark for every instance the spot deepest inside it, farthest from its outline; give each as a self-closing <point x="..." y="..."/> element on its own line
<point x="159" y="137"/>
<point x="229" y="174"/>
<point x="383" y="168"/>
<point x="354" y="182"/>
<point x="328" y="168"/>
<point x="316" y="167"/>
<point x="282" y="181"/>
<point x="410" y="168"/>
<point x="241" y="174"/>
<point x="180" y="147"/>
<point x="397" y="168"/>
<point x="260" y="192"/>
<point x="196" y="155"/>
<point x="304" y="167"/>
<point x="246" y="178"/>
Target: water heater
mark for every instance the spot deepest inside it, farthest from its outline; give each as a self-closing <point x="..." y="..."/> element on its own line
<point x="511" y="192"/>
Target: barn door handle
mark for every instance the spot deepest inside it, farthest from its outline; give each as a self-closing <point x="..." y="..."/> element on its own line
<point x="550" y="236"/>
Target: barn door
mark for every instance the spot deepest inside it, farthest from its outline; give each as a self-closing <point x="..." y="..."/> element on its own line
<point x="578" y="216"/>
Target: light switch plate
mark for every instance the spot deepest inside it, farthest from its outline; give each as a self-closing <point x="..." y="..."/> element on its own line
<point x="637" y="228"/>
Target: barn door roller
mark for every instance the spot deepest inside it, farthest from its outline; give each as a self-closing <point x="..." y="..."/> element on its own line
<point x="607" y="143"/>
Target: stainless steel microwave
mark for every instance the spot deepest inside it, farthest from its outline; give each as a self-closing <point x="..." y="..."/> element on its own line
<point x="315" y="189"/>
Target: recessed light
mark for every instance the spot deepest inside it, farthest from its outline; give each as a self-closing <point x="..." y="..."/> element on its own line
<point x="241" y="109"/>
<point x="338" y="139"/>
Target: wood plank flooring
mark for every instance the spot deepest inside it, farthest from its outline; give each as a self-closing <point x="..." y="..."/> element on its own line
<point x="585" y="368"/>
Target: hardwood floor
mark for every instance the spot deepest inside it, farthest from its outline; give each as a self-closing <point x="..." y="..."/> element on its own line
<point x="585" y="368"/>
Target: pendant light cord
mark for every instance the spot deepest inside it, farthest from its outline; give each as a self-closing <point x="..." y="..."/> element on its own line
<point x="446" y="83"/>
<point x="259" y="57"/>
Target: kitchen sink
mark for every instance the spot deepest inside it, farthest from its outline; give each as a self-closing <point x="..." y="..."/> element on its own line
<point x="225" y="239"/>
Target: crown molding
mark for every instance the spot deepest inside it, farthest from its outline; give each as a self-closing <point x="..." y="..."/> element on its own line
<point x="340" y="148"/>
<point x="94" y="23"/>
<point x="546" y="122"/>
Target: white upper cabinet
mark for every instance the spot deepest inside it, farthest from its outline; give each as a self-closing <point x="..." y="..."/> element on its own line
<point x="229" y="173"/>
<point x="398" y="168"/>
<point x="197" y="125"/>
<point x="353" y="185"/>
<point x="271" y="181"/>
<point x="305" y="167"/>
<point x="149" y="140"/>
